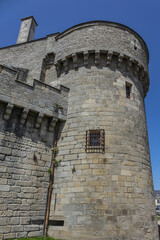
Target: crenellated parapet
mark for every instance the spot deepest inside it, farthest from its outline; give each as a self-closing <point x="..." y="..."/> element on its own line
<point x="39" y="98"/>
<point x="100" y="58"/>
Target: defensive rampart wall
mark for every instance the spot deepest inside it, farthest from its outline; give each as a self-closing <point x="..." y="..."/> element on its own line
<point x="28" y="114"/>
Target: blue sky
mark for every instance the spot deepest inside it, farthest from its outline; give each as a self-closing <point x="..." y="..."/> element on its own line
<point x="57" y="15"/>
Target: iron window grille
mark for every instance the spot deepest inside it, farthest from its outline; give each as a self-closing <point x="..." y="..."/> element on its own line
<point x="95" y="141"/>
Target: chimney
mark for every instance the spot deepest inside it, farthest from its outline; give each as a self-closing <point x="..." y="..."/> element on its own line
<point x="27" y="29"/>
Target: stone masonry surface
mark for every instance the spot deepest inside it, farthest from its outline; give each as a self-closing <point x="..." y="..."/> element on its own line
<point x="28" y="113"/>
<point x="101" y="196"/>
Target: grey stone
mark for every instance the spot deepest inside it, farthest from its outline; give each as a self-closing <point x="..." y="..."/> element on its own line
<point x="17" y="228"/>
<point x="105" y="195"/>
<point x="5" y="150"/>
<point x="13" y="221"/>
<point x="2" y="156"/>
<point x="3" y="221"/>
<point x="31" y="228"/>
<point x="5" y="188"/>
<point x="10" y="236"/>
<point x="21" y="234"/>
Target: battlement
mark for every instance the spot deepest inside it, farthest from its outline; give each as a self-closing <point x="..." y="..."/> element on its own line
<point x="30" y="96"/>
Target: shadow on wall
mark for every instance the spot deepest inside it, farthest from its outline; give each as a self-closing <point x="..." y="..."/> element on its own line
<point x="28" y="129"/>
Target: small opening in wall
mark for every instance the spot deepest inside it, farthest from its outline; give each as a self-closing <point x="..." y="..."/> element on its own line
<point x="56" y="222"/>
<point x="95" y="141"/>
<point x="128" y="90"/>
<point x="135" y="44"/>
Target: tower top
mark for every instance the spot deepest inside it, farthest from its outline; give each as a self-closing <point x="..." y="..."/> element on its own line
<point x="104" y="23"/>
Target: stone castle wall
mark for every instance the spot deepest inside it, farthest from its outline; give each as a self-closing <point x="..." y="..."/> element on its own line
<point x="25" y="160"/>
<point x="104" y="196"/>
<point x="28" y="115"/>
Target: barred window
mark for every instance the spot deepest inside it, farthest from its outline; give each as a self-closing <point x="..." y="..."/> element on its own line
<point x="95" y="141"/>
<point x="128" y="90"/>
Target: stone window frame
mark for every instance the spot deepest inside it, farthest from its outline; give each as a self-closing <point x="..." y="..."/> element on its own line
<point x="95" y="141"/>
<point x="128" y="89"/>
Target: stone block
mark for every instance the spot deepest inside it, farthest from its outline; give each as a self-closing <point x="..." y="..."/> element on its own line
<point x="2" y="157"/>
<point x="14" y="221"/>
<point x="15" y="189"/>
<point x="77" y="189"/>
<point x="3" y="221"/>
<point x="83" y="166"/>
<point x="98" y="171"/>
<point x="30" y="228"/>
<point x="5" y="188"/>
<point x="125" y="172"/>
<point x="10" y="236"/>
<point x="35" y="233"/>
<point x="17" y="228"/>
<point x="21" y="234"/>
<point x="29" y="189"/>
<point x="5" y="150"/>
<point x="3" y="181"/>
<point x="5" y="229"/>
<point x="3" y="169"/>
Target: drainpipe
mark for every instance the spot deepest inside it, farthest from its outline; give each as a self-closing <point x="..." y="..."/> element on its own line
<point x="50" y="188"/>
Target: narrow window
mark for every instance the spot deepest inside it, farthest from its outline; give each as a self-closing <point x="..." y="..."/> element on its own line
<point x="128" y="90"/>
<point x="95" y="141"/>
<point x="135" y="44"/>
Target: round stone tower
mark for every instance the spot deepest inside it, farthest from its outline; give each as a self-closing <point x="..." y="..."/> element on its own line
<point x="103" y="186"/>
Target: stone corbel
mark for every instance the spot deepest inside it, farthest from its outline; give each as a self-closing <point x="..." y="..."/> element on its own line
<point x="97" y="57"/>
<point x="24" y="116"/>
<point x="39" y="120"/>
<point x="120" y="59"/>
<point x="141" y="74"/>
<point x="65" y="64"/>
<point x="75" y="60"/>
<point x="57" y="65"/>
<point x="52" y="124"/>
<point x="136" y="70"/>
<point x="49" y="58"/>
<point x="8" y="111"/>
<point x="61" y="114"/>
<point x="86" y="58"/>
<point x="129" y="65"/>
<point x="109" y="58"/>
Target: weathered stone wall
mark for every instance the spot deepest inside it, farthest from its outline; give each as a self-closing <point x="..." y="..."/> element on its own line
<point x="103" y="196"/>
<point x="25" y="159"/>
<point x="27" y="55"/>
<point x="101" y="36"/>
<point x="27" y="119"/>
<point x="106" y="196"/>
